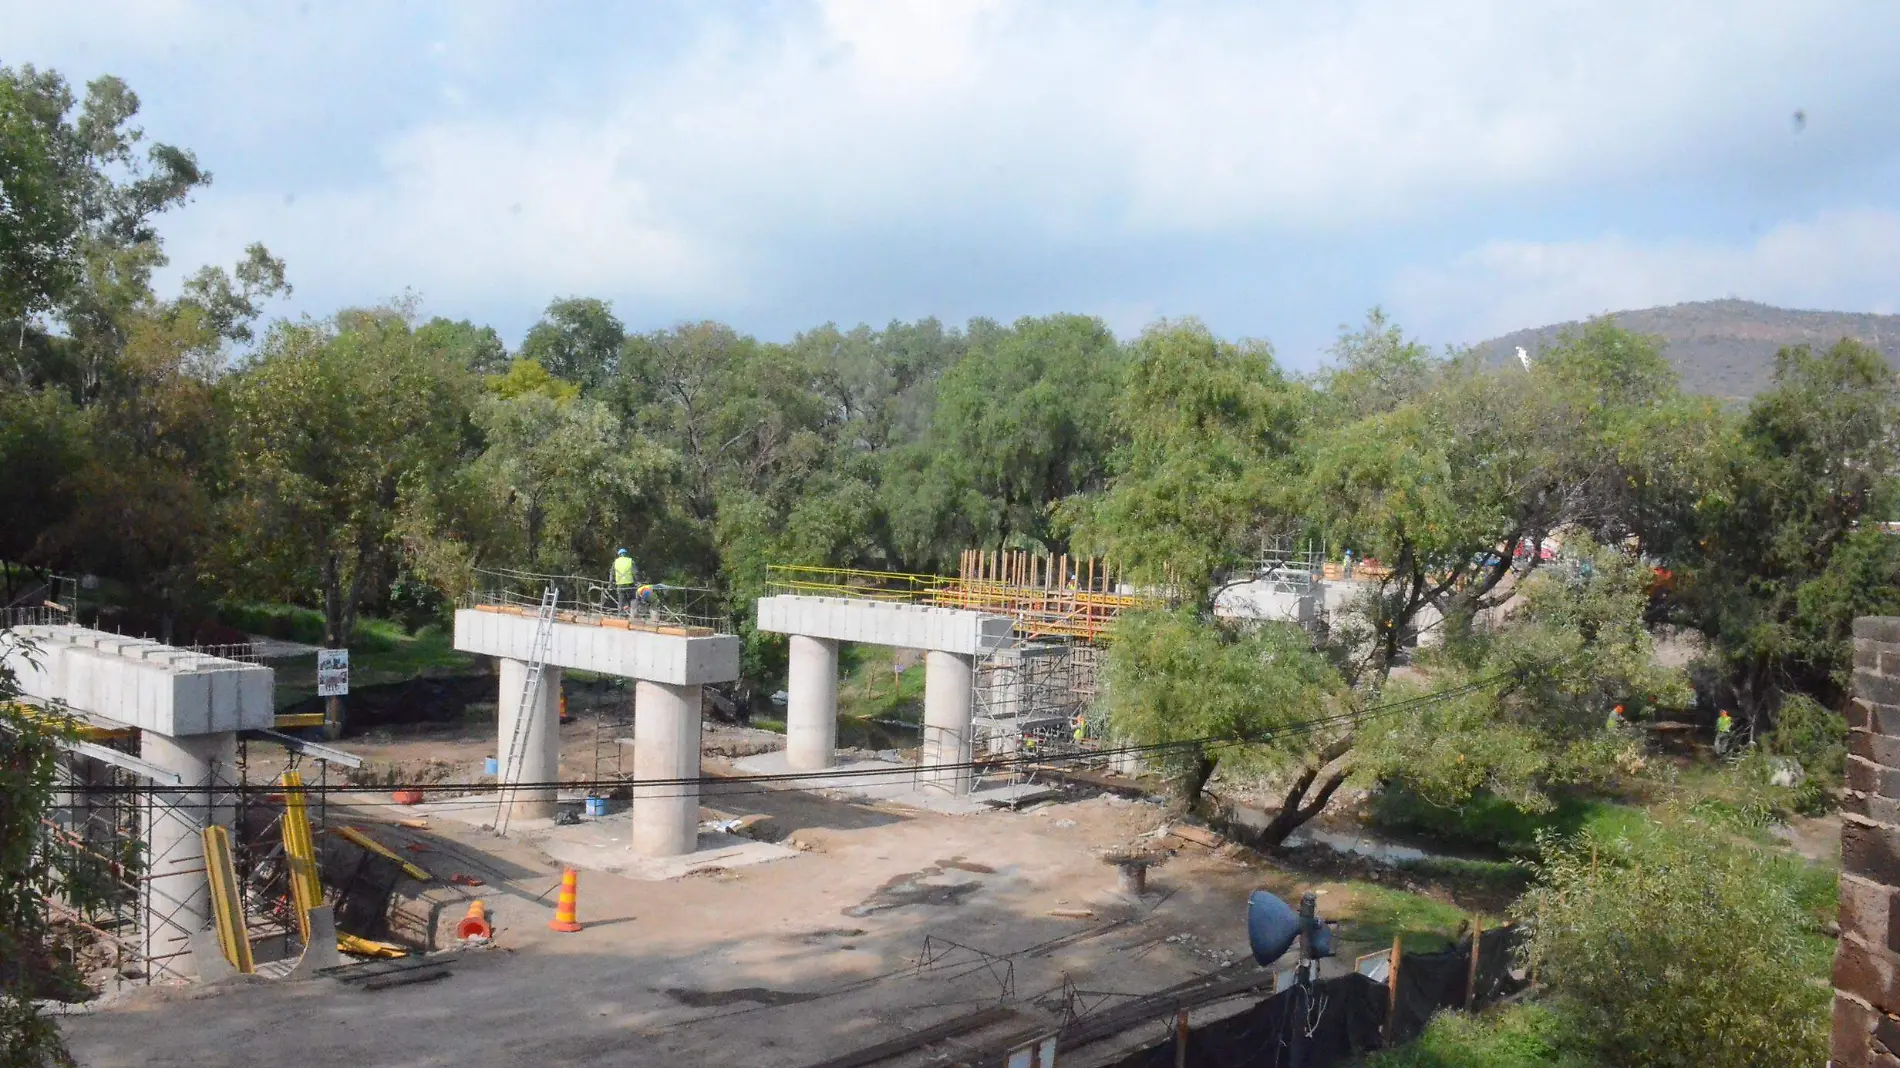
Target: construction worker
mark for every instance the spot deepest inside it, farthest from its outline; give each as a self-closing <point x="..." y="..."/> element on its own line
<point x="1080" y="725"/>
<point x="623" y="580"/>
<point x="1724" y="733"/>
<point x="1616" y="721"/>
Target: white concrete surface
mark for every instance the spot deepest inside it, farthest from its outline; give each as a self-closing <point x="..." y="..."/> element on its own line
<point x="540" y="759"/>
<point x="902" y="626"/>
<point x="144" y="684"/>
<point x="177" y="894"/>
<point x="600" y="845"/>
<point x="1268" y="600"/>
<point x="665" y="746"/>
<point x="949" y="680"/>
<point x="811" y="703"/>
<point x="673" y="659"/>
<point x="882" y="780"/>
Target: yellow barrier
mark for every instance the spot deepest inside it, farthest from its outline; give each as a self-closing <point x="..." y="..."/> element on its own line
<point x="300" y="853"/>
<point x="227" y="905"/>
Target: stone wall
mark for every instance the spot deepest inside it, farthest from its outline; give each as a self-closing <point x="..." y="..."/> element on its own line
<point x="1867" y="964"/>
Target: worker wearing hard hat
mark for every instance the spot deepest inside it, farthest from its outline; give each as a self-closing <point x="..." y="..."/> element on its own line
<point x="1616" y="722"/>
<point x="1724" y="733"/>
<point x="623" y="580"/>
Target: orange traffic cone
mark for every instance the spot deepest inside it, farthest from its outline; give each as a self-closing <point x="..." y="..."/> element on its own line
<point x="564" y="907"/>
<point x="475" y="924"/>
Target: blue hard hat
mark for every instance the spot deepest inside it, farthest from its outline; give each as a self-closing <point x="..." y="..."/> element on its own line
<point x="620" y="552"/>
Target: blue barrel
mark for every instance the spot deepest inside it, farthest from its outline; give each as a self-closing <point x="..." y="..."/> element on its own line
<point x="596" y="806"/>
<point x="490" y="767"/>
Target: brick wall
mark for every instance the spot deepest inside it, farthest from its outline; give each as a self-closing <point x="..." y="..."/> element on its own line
<point x="1867" y="964"/>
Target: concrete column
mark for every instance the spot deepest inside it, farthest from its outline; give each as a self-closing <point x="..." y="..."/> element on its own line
<point x="665" y="746"/>
<point x="177" y="896"/>
<point x="540" y="741"/>
<point x="948" y="680"/>
<point x="811" y="704"/>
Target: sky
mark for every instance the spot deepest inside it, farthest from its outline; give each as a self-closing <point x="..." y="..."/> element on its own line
<point x="1274" y="169"/>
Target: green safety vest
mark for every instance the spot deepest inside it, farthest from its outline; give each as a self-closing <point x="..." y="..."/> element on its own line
<point x="623" y="570"/>
<point x="1723" y="725"/>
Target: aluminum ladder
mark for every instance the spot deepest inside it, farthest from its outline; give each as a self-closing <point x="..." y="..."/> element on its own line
<point x="516" y="755"/>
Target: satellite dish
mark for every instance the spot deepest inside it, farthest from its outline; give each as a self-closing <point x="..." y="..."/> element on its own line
<point x="1272" y="925"/>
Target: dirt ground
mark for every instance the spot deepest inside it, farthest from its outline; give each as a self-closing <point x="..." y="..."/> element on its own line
<point x="890" y="921"/>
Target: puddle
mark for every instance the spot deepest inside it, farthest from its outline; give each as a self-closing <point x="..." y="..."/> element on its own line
<point x="912" y="889"/>
<point x="755" y="995"/>
<point x="1358" y="845"/>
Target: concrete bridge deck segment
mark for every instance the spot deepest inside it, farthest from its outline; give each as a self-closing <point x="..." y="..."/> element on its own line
<point x="951" y="640"/>
<point x="668" y="666"/>
<point x="141" y="683"/>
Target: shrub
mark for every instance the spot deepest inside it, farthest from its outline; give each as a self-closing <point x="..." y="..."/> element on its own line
<point x="1522" y="1036"/>
<point x="1683" y="946"/>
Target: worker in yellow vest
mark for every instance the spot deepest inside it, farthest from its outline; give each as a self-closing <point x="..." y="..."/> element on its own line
<point x="1724" y="733"/>
<point x="623" y="580"/>
<point x="1616" y="722"/>
<point x="1080" y="725"/>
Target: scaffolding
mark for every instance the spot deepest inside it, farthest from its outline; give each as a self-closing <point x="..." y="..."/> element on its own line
<point x="1287" y="563"/>
<point x="117" y="904"/>
<point x="1048" y="596"/>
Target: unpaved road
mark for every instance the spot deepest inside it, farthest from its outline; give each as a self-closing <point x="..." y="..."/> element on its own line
<point x="784" y="963"/>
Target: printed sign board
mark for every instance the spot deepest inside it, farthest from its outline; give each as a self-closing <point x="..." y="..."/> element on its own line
<point x="333" y="672"/>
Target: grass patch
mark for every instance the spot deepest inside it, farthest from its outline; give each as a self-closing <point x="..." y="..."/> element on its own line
<point x="776" y="726"/>
<point x="1520" y="1036"/>
<point x="386" y="655"/>
<point x="1491" y="824"/>
<point x="1374" y="914"/>
<point x="869" y="687"/>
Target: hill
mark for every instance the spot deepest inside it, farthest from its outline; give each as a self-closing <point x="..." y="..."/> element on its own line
<point x="1724" y="348"/>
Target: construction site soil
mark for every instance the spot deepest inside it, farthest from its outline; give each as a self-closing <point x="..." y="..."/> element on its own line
<point x="880" y="922"/>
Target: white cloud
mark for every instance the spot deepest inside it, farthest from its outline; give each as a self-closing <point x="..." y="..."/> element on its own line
<point x="701" y="160"/>
<point x="1845" y="260"/>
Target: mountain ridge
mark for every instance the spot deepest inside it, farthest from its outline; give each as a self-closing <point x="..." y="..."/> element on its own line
<point x="1722" y="348"/>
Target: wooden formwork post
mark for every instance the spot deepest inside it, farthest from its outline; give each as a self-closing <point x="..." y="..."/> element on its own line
<point x="1471" y="974"/>
<point x="1392" y="986"/>
<point x="1180" y="1038"/>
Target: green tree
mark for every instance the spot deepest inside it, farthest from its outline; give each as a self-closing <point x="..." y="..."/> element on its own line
<point x="1792" y="545"/>
<point x="1019" y="424"/>
<point x="1208" y="431"/>
<point x="578" y="339"/>
<point x="338" y="433"/>
<point x="28" y="757"/>
<point x="1177" y="679"/>
<point x="573" y="483"/>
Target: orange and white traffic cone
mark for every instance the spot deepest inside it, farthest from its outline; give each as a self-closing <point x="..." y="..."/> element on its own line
<point x="475" y="924"/>
<point x="564" y="919"/>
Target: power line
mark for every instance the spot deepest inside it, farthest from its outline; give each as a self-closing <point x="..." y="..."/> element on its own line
<point x="644" y="788"/>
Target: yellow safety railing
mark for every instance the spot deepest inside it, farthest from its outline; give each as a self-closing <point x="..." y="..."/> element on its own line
<point x="853" y="582"/>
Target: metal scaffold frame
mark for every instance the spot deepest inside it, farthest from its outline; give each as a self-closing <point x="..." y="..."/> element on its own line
<point x="113" y="907"/>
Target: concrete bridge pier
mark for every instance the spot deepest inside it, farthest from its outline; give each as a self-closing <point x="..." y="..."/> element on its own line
<point x="949" y="690"/>
<point x="666" y="725"/>
<point x="540" y="758"/>
<point x="177" y="895"/>
<point x="811" y="703"/>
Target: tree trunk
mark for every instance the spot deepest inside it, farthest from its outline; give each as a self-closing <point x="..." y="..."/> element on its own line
<point x="1296" y="809"/>
<point x="1195" y="783"/>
